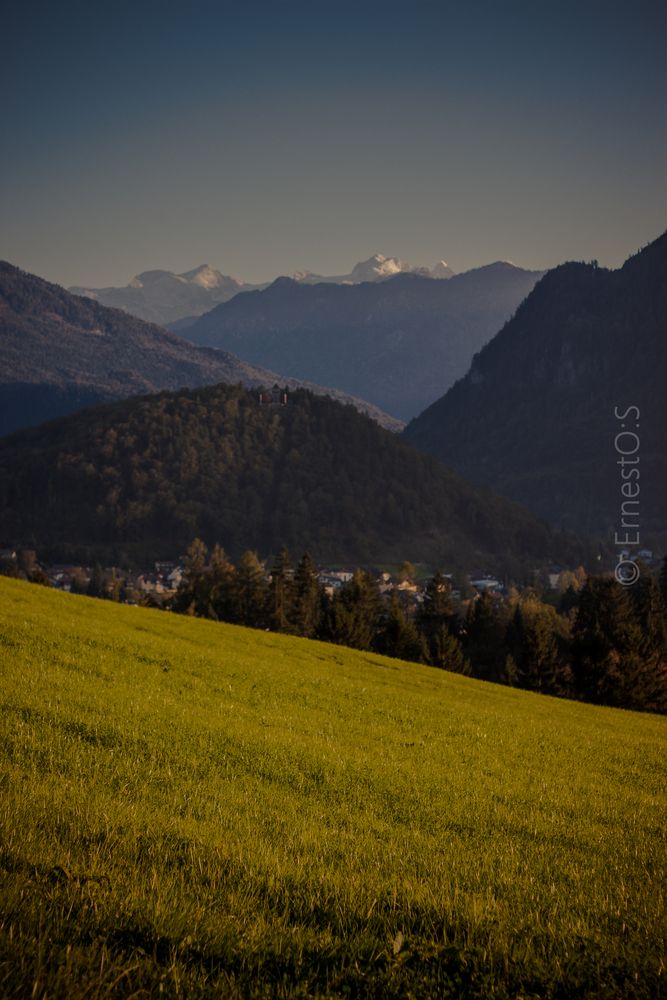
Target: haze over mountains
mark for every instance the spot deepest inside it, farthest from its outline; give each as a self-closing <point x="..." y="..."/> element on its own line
<point x="59" y="352"/>
<point x="399" y="342"/>
<point x="165" y="297"/>
<point x="139" y="479"/>
<point x="537" y="416"/>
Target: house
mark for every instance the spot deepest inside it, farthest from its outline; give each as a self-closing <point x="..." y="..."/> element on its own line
<point x="65" y="576"/>
<point x="487" y="583"/>
<point x="150" y="583"/>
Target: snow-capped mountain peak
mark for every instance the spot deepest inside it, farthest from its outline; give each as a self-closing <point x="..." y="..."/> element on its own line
<point x="205" y="276"/>
<point x="441" y="270"/>
<point x="378" y="266"/>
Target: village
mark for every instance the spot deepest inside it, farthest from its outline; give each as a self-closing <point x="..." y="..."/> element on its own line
<point x="155" y="587"/>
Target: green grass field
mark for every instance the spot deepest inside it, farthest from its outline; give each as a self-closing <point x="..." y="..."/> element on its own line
<point x="195" y="809"/>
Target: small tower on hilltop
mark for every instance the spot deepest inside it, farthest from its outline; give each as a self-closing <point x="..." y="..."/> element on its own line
<point x="273" y="397"/>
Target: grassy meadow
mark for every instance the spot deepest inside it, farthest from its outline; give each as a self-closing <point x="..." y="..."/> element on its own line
<point x="195" y="809"/>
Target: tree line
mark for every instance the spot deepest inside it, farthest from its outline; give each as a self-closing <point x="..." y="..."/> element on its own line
<point x="597" y="641"/>
<point x="602" y="643"/>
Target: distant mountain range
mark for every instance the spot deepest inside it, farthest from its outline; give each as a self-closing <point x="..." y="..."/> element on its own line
<point x="537" y="416"/>
<point x="138" y="480"/>
<point x="59" y="352"/>
<point x="376" y="268"/>
<point x="164" y="297"/>
<point x="399" y="343"/>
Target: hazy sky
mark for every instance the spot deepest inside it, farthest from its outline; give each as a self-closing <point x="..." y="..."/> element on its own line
<point x="267" y="137"/>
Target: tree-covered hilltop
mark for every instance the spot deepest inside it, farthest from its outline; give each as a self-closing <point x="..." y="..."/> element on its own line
<point x="137" y="480"/>
<point x="537" y="417"/>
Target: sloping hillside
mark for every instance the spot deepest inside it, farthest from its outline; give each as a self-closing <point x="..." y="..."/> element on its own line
<point x="196" y="809"/>
<point x="537" y="416"/>
<point x="59" y="352"/>
<point x="141" y="478"/>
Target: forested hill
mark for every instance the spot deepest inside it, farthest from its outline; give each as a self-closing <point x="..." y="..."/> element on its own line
<point x="138" y="480"/>
<point x="59" y="352"/>
<point x="535" y="416"/>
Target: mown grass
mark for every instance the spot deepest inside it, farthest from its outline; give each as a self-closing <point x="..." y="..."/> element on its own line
<point x="195" y="809"/>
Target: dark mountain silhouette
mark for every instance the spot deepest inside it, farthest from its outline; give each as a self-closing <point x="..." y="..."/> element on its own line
<point x="59" y="352"/>
<point x="399" y="342"/>
<point x="534" y="418"/>
<point x="137" y="480"/>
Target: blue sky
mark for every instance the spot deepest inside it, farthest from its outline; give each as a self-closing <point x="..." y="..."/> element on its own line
<point x="266" y="138"/>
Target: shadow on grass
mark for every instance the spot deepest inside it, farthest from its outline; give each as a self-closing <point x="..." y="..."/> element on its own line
<point x="46" y="916"/>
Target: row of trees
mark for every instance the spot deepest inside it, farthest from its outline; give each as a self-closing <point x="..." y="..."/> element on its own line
<point x="604" y="643"/>
<point x="293" y="601"/>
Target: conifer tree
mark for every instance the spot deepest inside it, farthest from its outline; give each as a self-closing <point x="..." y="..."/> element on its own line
<point x="484" y="640"/>
<point x="355" y="612"/>
<point x="446" y="652"/>
<point x="193" y="594"/>
<point x="398" y="634"/>
<point x="613" y="662"/>
<point x="308" y="598"/>
<point x="220" y="586"/>
<point x="282" y="594"/>
<point x="652" y="621"/>
<point x="250" y="603"/>
<point x="438" y="627"/>
<point x="537" y="640"/>
<point x="647" y="598"/>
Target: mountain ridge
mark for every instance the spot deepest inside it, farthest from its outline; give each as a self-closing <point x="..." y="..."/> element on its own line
<point x="59" y="352"/>
<point x="167" y="297"/>
<point x="399" y="342"/>
<point x="534" y="417"/>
